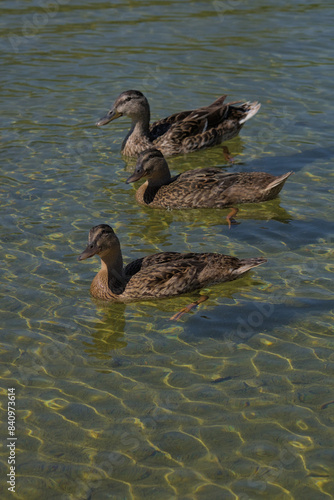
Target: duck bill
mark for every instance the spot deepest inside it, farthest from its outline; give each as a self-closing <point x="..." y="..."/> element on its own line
<point x="90" y="251"/>
<point x="110" y="116"/>
<point x="135" y="177"/>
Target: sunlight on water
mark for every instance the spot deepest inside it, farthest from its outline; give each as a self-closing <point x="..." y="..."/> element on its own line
<point x="234" y="401"/>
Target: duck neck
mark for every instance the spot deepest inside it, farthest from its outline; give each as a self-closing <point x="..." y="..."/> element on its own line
<point x="160" y="176"/>
<point x="112" y="272"/>
<point x="138" y="137"/>
<point x="140" y="126"/>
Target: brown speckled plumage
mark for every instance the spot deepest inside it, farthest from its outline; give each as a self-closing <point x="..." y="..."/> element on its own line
<point x="160" y="275"/>
<point x="182" y="132"/>
<point x="200" y="188"/>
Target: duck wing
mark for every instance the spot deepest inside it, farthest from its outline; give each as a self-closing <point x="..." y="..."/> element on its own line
<point x="206" y="127"/>
<point x="170" y="273"/>
<point x="166" y="280"/>
<point x="161" y="127"/>
<point x="165" y="274"/>
<point x="149" y="261"/>
<point x="196" y="188"/>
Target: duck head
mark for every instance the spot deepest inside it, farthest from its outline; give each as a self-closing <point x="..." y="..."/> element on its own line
<point x="131" y="103"/>
<point x="101" y="241"/>
<point x="151" y="164"/>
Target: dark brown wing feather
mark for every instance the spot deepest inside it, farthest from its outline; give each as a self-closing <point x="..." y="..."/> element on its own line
<point x="202" y="127"/>
<point x="150" y="260"/>
<point x="161" y="127"/>
<point x="170" y="273"/>
<point x="196" y="188"/>
<point x="170" y="279"/>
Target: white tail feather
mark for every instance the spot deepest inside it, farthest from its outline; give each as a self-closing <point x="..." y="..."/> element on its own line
<point x="279" y="181"/>
<point x="254" y="108"/>
<point x="248" y="264"/>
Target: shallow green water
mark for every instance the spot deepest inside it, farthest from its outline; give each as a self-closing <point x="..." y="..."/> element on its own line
<point x="118" y="402"/>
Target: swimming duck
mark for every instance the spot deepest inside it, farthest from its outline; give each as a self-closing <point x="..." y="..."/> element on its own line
<point x="164" y="274"/>
<point x="182" y="132"/>
<point x="200" y="188"/>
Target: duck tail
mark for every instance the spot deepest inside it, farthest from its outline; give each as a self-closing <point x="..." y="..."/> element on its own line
<point x="276" y="185"/>
<point x="247" y="264"/>
<point x="218" y="102"/>
<point x="251" y="108"/>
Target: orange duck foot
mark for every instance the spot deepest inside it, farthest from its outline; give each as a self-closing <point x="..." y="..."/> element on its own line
<point x="230" y="219"/>
<point x="188" y="308"/>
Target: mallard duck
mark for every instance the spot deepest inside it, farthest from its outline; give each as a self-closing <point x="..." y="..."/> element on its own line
<point x="164" y="274"/>
<point x="182" y="132"/>
<point x="200" y="188"/>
